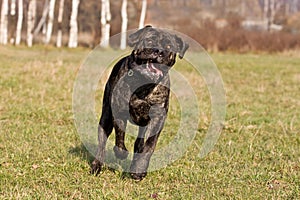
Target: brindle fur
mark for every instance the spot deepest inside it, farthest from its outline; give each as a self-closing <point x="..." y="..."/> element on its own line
<point x="138" y="93"/>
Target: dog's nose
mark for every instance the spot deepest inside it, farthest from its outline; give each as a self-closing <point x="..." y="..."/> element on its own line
<point x="158" y="53"/>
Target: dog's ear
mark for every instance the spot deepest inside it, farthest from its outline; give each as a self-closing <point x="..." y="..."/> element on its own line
<point x="134" y="38"/>
<point x="181" y="46"/>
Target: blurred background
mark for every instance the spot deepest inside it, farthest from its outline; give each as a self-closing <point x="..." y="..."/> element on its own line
<point x="218" y="25"/>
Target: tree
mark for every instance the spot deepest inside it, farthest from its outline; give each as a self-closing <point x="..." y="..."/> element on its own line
<point x="4" y="22"/>
<point x="50" y="21"/>
<point x="272" y="12"/>
<point x="13" y="7"/>
<point x="124" y="24"/>
<point x="266" y="13"/>
<point x="143" y="14"/>
<point x="105" y="23"/>
<point x="42" y="22"/>
<point x="44" y="19"/>
<point x="19" y="22"/>
<point x="31" y="21"/>
<point x="12" y="20"/>
<point x="60" y="18"/>
<point x="73" y="38"/>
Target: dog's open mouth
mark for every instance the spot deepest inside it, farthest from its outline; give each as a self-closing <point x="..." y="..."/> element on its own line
<point x="150" y="66"/>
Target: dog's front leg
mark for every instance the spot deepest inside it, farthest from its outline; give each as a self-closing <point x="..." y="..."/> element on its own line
<point x="120" y="149"/>
<point x="104" y="130"/>
<point x="143" y="151"/>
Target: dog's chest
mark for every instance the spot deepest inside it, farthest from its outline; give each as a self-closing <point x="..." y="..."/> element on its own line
<point x="157" y="96"/>
<point x="147" y="101"/>
<point x="150" y="94"/>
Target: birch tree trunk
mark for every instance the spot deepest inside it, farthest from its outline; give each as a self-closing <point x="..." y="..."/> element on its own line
<point x="20" y="22"/>
<point x="272" y="11"/>
<point x="143" y="14"/>
<point x="13" y="18"/>
<point x="13" y="7"/>
<point x="73" y="25"/>
<point x="124" y="25"/>
<point x="60" y="18"/>
<point x="44" y="18"/>
<point x="50" y="21"/>
<point x="42" y="21"/>
<point x="4" y="22"/>
<point x="266" y="14"/>
<point x="105" y="23"/>
<point x="30" y="21"/>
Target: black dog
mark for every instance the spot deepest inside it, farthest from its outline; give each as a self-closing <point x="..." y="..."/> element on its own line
<point x="138" y="91"/>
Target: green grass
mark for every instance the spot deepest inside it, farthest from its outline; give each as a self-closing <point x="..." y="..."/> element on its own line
<point x="257" y="155"/>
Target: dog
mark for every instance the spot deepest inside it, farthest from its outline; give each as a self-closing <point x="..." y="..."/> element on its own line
<point x="138" y="91"/>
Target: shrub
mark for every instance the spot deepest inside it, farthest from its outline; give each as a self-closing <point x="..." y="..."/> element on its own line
<point x="234" y="38"/>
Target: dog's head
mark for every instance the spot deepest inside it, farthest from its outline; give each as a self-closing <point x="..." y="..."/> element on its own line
<point x="155" y="51"/>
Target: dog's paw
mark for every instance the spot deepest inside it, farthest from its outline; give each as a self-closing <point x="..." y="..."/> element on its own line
<point x="96" y="167"/>
<point x="120" y="153"/>
<point x="138" y="176"/>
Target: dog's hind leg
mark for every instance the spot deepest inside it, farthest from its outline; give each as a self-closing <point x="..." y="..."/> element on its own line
<point x="120" y="149"/>
<point x="104" y="130"/>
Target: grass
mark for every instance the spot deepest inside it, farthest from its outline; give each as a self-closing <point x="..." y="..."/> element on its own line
<point x="257" y="155"/>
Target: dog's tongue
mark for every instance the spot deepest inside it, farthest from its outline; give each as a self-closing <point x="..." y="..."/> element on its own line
<point x="153" y="69"/>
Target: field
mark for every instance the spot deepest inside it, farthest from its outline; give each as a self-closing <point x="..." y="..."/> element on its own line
<point x="256" y="157"/>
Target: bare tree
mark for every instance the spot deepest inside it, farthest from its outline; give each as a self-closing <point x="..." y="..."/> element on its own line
<point x="73" y="38"/>
<point x="124" y="24"/>
<point x="12" y="20"/>
<point x="19" y="22"/>
<point x="42" y="22"/>
<point x="266" y="13"/>
<point x="4" y="22"/>
<point x="31" y="21"/>
<point x="50" y="21"/>
<point x="271" y="7"/>
<point x="105" y="23"/>
<point x="272" y="12"/>
<point x="13" y="7"/>
<point x="143" y="14"/>
<point x="45" y="15"/>
<point x="60" y="18"/>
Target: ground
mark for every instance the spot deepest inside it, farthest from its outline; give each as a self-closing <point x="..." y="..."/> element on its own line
<point x="256" y="157"/>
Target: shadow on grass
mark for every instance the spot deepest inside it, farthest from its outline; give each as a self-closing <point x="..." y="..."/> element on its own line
<point x="112" y="163"/>
<point x="82" y="152"/>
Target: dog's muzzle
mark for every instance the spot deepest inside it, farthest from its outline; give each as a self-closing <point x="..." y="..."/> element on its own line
<point x="154" y="62"/>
